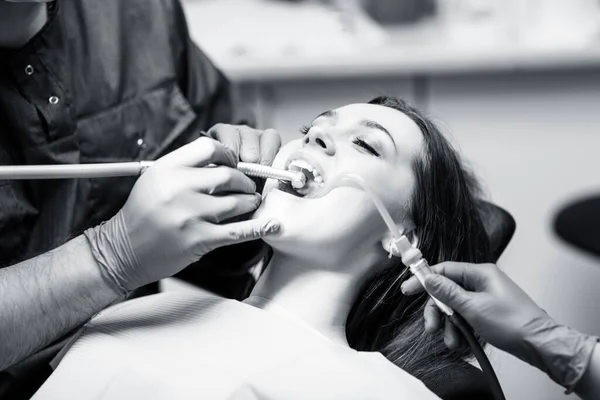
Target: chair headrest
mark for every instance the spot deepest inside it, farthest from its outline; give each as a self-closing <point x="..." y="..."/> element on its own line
<point x="499" y="225"/>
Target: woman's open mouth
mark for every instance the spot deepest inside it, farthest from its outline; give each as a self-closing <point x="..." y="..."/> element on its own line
<point x="315" y="181"/>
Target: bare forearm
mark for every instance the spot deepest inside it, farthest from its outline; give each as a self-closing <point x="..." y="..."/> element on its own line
<point x="44" y="298"/>
<point x="589" y="385"/>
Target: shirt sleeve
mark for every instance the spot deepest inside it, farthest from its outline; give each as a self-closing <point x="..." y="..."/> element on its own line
<point x="17" y="215"/>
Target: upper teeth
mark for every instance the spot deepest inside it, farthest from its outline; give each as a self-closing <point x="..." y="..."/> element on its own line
<point x="300" y="163"/>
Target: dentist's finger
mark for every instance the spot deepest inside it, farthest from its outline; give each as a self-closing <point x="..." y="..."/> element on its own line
<point x="224" y="208"/>
<point x="199" y="153"/>
<point x="228" y="135"/>
<point x="250" y="144"/>
<point x="465" y="274"/>
<point x="270" y="143"/>
<point x="217" y="180"/>
<point x="457" y="336"/>
<point x="448" y="292"/>
<point x="245" y="231"/>
<point x="452" y="338"/>
<point x="434" y="318"/>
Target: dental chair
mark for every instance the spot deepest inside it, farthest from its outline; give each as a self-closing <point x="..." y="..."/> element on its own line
<point x="469" y="383"/>
<point x="499" y="225"/>
<point x="578" y="224"/>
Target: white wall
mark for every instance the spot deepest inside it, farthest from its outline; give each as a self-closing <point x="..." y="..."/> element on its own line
<point x="535" y="141"/>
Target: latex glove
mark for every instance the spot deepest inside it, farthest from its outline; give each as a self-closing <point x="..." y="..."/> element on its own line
<point x="250" y="145"/>
<point x="501" y="313"/>
<point x="174" y="216"/>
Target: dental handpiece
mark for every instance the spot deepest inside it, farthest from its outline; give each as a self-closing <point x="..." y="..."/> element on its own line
<point x="297" y="178"/>
<point x="136" y="168"/>
<point x="71" y="171"/>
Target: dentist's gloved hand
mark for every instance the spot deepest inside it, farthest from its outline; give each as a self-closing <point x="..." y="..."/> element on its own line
<point x="499" y="310"/>
<point x="175" y="214"/>
<point x="502" y="314"/>
<point x="250" y="145"/>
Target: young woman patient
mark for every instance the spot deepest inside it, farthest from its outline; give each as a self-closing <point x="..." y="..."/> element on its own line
<point x="327" y="318"/>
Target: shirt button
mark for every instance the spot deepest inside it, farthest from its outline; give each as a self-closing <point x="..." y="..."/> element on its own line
<point x="141" y="143"/>
<point x="29" y="70"/>
<point x="53" y="100"/>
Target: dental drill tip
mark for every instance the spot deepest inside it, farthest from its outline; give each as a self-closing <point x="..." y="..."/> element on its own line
<point x="299" y="181"/>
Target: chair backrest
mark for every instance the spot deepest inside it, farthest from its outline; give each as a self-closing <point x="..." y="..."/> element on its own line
<point x="499" y="225"/>
<point x="578" y="224"/>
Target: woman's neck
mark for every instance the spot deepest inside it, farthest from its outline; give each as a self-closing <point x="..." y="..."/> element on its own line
<point x="319" y="297"/>
<point x="19" y="22"/>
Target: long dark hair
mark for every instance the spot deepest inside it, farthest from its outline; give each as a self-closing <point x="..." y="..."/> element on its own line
<point x="449" y="228"/>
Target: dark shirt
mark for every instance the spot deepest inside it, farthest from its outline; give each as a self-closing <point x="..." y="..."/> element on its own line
<point x="104" y="81"/>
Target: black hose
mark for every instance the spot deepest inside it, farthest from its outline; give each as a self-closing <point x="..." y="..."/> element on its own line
<point x="480" y="355"/>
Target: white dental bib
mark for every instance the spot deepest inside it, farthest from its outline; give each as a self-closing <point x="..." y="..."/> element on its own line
<point x="197" y="346"/>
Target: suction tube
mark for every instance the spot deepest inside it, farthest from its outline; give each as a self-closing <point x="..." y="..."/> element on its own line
<point x="413" y="258"/>
<point x="355" y="181"/>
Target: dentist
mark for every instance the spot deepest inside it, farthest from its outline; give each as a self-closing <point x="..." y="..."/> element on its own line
<point x="109" y="81"/>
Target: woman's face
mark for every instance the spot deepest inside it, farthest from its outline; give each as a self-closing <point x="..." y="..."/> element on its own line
<point x="336" y="224"/>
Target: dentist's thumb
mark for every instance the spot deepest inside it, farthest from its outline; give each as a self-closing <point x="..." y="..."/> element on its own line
<point x="246" y="231"/>
<point x="447" y="291"/>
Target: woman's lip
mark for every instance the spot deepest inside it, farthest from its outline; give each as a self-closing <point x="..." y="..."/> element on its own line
<point x="312" y="194"/>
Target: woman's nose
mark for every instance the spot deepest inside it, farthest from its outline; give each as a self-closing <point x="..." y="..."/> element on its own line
<point x="317" y="137"/>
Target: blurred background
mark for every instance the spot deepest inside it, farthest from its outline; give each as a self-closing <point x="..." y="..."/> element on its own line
<point x="515" y="84"/>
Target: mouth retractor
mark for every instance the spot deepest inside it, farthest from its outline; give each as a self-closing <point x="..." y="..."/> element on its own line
<point x="297" y="178"/>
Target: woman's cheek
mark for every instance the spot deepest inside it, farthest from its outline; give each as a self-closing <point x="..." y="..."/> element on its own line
<point x="285" y="151"/>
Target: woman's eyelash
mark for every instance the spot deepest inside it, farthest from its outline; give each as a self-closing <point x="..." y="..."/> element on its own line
<point x="366" y="146"/>
<point x="304" y="130"/>
<point x="359" y="142"/>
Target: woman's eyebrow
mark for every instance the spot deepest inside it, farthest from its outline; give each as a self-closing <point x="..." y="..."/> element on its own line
<point x="329" y="114"/>
<point x="374" y="125"/>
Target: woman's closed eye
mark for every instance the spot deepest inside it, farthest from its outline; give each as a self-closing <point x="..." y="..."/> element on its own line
<point x="356" y="141"/>
<point x="304" y="130"/>
<point x="365" y="146"/>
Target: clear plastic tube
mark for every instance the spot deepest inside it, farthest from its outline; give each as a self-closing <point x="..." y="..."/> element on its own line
<point x="356" y="181"/>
